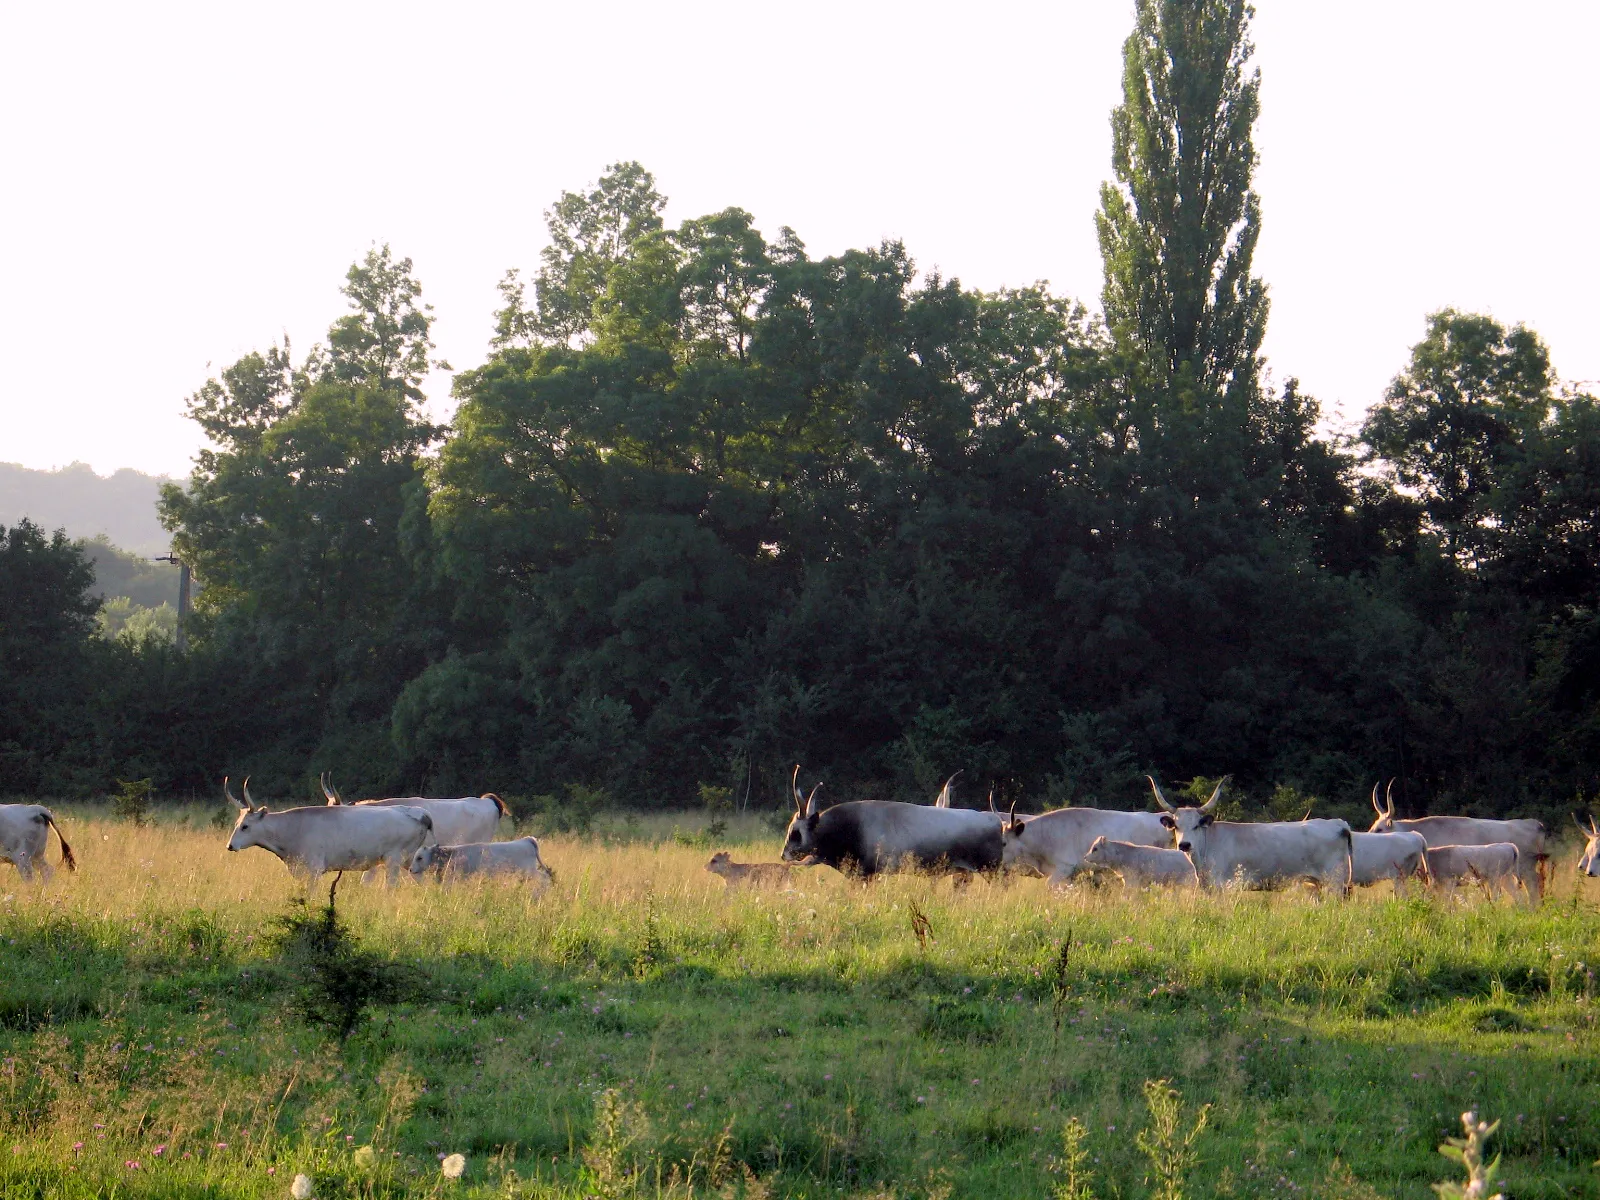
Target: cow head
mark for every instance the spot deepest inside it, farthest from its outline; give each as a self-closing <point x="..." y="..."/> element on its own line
<point x="247" y="829"/>
<point x="1016" y="852"/>
<point x="1096" y="851"/>
<point x="800" y="842"/>
<point x="719" y="861"/>
<point x="1385" y="811"/>
<point x="1190" y="825"/>
<point x="1589" y="863"/>
<point x="423" y="858"/>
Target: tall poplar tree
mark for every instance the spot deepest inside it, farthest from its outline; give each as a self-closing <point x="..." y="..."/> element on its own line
<point x="1178" y="229"/>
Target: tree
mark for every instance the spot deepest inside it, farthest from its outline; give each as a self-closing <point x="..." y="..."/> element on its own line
<point x="1178" y="230"/>
<point x="295" y="522"/>
<point x="46" y="626"/>
<point x="1453" y="422"/>
<point x="384" y="342"/>
<point x="590" y="233"/>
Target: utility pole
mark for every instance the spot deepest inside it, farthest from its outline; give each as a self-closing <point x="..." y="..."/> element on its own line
<point x="182" y="640"/>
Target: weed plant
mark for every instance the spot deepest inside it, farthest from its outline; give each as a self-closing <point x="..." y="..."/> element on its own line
<point x="149" y="1045"/>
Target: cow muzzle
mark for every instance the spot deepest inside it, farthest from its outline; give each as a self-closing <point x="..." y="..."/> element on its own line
<point x="1185" y="847"/>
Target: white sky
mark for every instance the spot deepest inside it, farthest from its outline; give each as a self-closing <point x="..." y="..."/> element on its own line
<point x="181" y="184"/>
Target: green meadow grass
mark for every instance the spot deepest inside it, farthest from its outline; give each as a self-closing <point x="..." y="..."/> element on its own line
<point x="802" y="1044"/>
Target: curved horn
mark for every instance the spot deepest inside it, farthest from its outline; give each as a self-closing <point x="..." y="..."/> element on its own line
<point x="991" y="801"/>
<point x="228" y="792"/>
<point x="1012" y="823"/>
<point x="942" y="800"/>
<point x="1377" y="807"/>
<point x="794" y="786"/>
<point x="1388" y="798"/>
<point x="328" y="793"/>
<point x="1594" y="828"/>
<point x="1160" y="799"/>
<point x="811" y="801"/>
<point x="1579" y="824"/>
<point x="1216" y="795"/>
<point x="248" y="799"/>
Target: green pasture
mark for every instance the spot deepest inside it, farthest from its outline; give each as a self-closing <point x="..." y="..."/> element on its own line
<point x="636" y="1028"/>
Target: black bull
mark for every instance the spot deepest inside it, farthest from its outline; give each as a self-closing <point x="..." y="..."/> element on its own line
<point x="864" y="837"/>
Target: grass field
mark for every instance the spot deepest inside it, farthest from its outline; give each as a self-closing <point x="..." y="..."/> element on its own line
<point x="635" y="1019"/>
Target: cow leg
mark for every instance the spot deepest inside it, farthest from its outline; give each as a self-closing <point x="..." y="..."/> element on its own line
<point x="46" y="872"/>
<point x="24" y="865"/>
<point x="370" y="875"/>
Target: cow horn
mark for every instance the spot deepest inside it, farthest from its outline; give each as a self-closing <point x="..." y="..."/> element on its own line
<point x="811" y="801"/>
<point x="942" y="800"/>
<point x="1012" y="823"/>
<point x="1594" y="828"/>
<point x="1160" y="799"/>
<point x="1376" y="807"/>
<point x="248" y="799"/>
<point x="1388" y="799"/>
<point x="328" y="793"/>
<point x="794" y="786"/>
<point x="991" y="800"/>
<point x="228" y="792"/>
<point x="1579" y="824"/>
<point x="1216" y="795"/>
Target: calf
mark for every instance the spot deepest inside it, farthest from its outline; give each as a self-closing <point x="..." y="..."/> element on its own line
<point x="25" y="836"/>
<point x="519" y="857"/>
<point x="780" y="875"/>
<point x="1137" y="866"/>
<point x="1375" y="857"/>
<point x="1494" y="865"/>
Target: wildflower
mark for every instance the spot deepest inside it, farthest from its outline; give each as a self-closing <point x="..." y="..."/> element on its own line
<point x="77" y="1147"/>
<point x="272" y="1170"/>
<point x="827" y="1076"/>
<point x="222" y="1145"/>
<point x="452" y="1167"/>
<point x="160" y="1150"/>
<point x="132" y="1164"/>
<point x="300" y="1189"/>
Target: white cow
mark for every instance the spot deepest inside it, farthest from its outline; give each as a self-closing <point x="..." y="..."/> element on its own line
<point x="1375" y="857"/>
<point x="464" y="821"/>
<point x="520" y="857"/>
<point x="1140" y="865"/>
<point x="1262" y="854"/>
<point x="1527" y="835"/>
<point x="1589" y="860"/>
<point x="25" y="836"/>
<point x="314" y="841"/>
<point x="1053" y="844"/>
<point x="1494" y="865"/>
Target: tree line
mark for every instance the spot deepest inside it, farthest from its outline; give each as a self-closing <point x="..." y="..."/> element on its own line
<point x="711" y="506"/>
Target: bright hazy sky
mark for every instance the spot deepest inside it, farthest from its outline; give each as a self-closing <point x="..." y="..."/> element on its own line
<point x="182" y="184"/>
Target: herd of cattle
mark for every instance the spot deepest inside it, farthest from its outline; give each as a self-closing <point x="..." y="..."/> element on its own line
<point x="1178" y="845"/>
<point x="1181" y="846"/>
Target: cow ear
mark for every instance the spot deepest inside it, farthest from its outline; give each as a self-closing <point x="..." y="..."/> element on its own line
<point x="262" y="811"/>
<point x="1168" y="821"/>
<point x="1205" y="820"/>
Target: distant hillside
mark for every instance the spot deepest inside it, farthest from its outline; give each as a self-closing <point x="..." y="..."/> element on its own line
<point x="118" y="573"/>
<point x="121" y="507"/>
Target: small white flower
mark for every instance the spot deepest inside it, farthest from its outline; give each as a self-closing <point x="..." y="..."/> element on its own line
<point x="453" y="1166"/>
<point x="300" y="1189"/>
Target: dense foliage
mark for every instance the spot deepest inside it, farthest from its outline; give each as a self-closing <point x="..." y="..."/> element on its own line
<point x="711" y="506"/>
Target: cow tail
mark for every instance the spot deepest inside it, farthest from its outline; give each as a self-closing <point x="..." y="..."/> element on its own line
<point x="1422" y="870"/>
<point x="68" y="860"/>
<point x="1349" y="859"/>
<point x="498" y="803"/>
